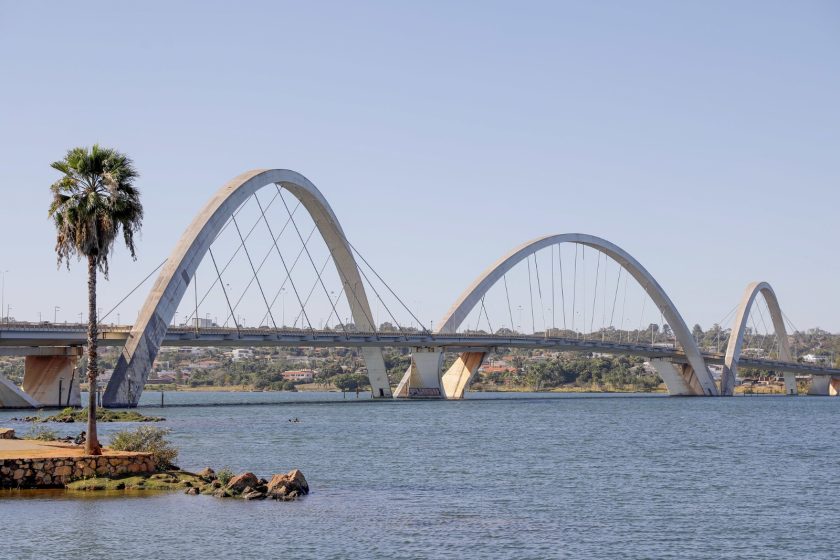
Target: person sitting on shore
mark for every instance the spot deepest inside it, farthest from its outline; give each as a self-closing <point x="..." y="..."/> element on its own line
<point x="81" y="438"/>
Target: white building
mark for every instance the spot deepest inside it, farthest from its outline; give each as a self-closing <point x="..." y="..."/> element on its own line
<point x="241" y="354"/>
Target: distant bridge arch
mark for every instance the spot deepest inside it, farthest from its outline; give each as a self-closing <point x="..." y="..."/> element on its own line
<point x="736" y="337"/>
<point x="692" y="380"/>
<point x="160" y="306"/>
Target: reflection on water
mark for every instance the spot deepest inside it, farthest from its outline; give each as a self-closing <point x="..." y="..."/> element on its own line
<point x="501" y="476"/>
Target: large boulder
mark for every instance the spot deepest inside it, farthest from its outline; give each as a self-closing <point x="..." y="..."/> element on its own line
<point x="242" y="481"/>
<point x="251" y="494"/>
<point x="289" y="485"/>
<point x="207" y="474"/>
<point x="7" y="433"/>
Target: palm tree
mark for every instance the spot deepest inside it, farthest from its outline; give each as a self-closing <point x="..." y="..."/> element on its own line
<point x="92" y="202"/>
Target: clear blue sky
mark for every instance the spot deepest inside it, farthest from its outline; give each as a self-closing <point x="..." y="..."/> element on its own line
<point x="702" y="137"/>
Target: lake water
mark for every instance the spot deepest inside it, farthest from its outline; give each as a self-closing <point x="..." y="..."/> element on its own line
<point x="493" y="476"/>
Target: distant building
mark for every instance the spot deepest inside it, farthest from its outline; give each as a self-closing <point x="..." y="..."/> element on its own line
<point x="299" y="375"/>
<point x="496" y="369"/>
<point x="241" y="354"/>
<point x="814" y="359"/>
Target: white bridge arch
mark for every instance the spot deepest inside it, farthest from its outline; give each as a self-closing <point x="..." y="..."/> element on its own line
<point x="736" y="337"/>
<point x="695" y="379"/>
<point x="148" y="332"/>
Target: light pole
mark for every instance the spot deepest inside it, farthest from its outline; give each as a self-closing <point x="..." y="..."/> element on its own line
<point x="283" y="306"/>
<point x="55" y="314"/>
<point x="3" y="293"/>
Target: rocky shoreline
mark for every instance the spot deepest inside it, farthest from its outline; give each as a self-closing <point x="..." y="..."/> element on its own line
<point x="247" y="486"/>
<point x="71" y="415"/>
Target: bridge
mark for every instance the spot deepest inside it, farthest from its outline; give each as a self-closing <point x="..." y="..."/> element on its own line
<point x="52" y="350"/>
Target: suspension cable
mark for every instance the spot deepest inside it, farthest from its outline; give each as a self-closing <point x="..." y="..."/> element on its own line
<point x="539" y="291"/>
<point x="766" y="330"/>
<point x="604" y="302"/>
<point x="256" y="275"/>
<point x="507" y="295"/>
<point x="334" y="304"/>
<point x="623" y="308"/>
<point x="486" y="316"/>
<point x="312" y="290"/>
<point x="562" y="291"/>
<point x="227" y="299"/>
<point x="553" y="291"/>
<point x="285" y="267"/>
<point x="585" y="301"/>
<point x="236" y="252"/>
<point x="388" y="287"/>
<point x="287" y="278"/>
<point x="531" y="294"/>
<point x="308" y="254"/>
<point x="574" y="292"/>
<point x="615" y="298"/>
<point x="595" y="295"/>
<point x="134" y="289"/>
<point x="641" y="319"/>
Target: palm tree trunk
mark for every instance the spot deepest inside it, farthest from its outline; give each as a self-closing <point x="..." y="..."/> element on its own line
<point x="92" y="446"/>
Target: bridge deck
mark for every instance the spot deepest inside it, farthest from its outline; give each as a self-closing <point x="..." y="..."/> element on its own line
<point x="29" y="339"/>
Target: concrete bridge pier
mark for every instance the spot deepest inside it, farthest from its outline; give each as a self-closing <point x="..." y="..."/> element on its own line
<point x="12" y="396"/>
<point x="823" y="385"/>
<point x="674" y="376"/>
<point x="49" y="380"/>
<point x="790" y="384"/>
<point x="460" y="374"/>
<point x="52" y="380"/>
<point x="422" y="378"/>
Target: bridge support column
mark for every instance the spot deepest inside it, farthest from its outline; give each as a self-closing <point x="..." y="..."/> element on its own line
<point x="819" y="385"/>
<point x="51" y="380"/>
<point x="422" y="378"/>
<point x="459" y="376"/>
<point x="11" y="396"/>
<point x="790" y="384"/>
<point x="672" y="376"/>
<point x="380" y="387"/>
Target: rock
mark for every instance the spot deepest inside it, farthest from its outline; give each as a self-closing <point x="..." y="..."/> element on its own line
<point x="207" y="474"/>
<point x="278" y="492"/>
<point x="239" y="482"/>
<point x="192" y="491"/>
<point x="292" y="481"/>
<point x="7" y="433"/>
<point x="253" y="495"/>
<point x="221" y="493"/>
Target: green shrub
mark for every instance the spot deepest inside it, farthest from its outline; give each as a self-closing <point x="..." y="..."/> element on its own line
<point x="41" y="433"/>
<point x="224" y="475"/>
<point x="147" y="439"/>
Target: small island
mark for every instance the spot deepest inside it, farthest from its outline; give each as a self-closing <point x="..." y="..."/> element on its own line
<point x="136" y="460"/>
